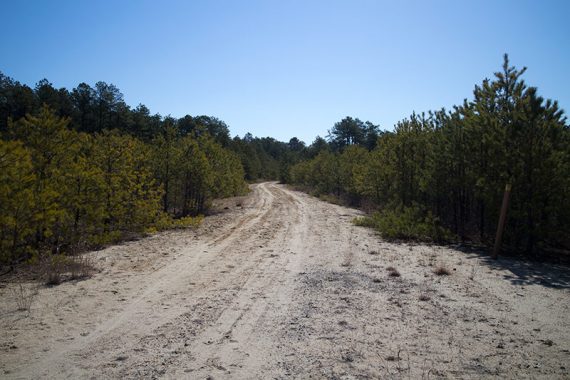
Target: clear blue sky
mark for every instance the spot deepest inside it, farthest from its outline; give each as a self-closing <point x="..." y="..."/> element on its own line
<point x="287" y="68"/>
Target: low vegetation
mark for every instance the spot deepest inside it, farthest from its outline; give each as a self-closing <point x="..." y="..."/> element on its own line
<point x="24" y="296"/>
<point x="407" y="223"/>
<point x="424" y="297"/>
<point x="393" y="272"/>
<point x="441" y="271"/>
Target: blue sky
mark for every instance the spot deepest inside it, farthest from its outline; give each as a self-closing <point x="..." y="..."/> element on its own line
<point x="287" y="68"/>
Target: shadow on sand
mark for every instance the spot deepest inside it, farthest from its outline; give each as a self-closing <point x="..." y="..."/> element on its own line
<point x="524" y="272"/>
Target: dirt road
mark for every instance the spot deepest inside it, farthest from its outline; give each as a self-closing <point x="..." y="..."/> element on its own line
<point x="283" y="285"/>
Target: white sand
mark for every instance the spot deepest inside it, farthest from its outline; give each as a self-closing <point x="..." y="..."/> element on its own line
<point x="286" y="286"/>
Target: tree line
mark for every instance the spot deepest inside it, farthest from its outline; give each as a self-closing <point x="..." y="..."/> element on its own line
<point x="440" y="175"/>
<point x="92" y="109"/>
<point x="80" y="168"/>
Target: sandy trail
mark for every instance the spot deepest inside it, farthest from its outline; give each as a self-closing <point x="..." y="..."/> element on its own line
<point x="283" y="285"/>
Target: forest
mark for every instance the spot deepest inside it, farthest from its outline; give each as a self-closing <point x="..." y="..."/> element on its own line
<point x="439" y="176"/>
<point x="80" y="168"/>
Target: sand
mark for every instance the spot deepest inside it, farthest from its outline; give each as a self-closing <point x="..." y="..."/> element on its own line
<point x="279" y="284"/>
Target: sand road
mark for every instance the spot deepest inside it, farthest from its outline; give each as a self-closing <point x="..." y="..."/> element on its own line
<point x="282" y="285"/>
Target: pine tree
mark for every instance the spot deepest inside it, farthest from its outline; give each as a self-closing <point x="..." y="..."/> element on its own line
<point x="16" y="200"/>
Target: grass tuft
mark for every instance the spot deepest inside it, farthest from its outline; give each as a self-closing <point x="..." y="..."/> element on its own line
<point x="24" y="297"/>
<point x="393" y="272"/>
<point x="442" y="271"/>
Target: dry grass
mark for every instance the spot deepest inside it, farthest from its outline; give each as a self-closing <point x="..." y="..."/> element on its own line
<point x="24" y="297"/>
<point x="473" y="272"/>
<point x="442" y="271"/>
<point x="55" y="269"/>
<point x="393" y="272"/>
<point x="81" y="266"/>
<point x="424" y="297"/>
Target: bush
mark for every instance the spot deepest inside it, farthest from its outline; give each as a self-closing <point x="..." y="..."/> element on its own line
<point x="53" y="267"/>
<point x="24" y="297"/>
<point x="406" y="223"/>
<point x="166" y="221"/>
<point x="442" y="271"/>
<point x="81" y="266"/>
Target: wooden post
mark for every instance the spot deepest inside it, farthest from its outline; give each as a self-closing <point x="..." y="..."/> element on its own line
<point x="502" y="220"/>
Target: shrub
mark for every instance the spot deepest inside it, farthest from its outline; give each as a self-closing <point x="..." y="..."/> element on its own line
<point x="393" y="272"/>
<point x="24" y="297"/>
<point x="166" y="221"/>
<point x="442" y="271"/>
<point x="406" y="223"/>
<point x="81" y="266"/>
<point x="53" y="267"/>
<point x="424" y="297"/>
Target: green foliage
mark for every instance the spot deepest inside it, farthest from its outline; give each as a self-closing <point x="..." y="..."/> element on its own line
<point x="165" y="222"/>
<point x="226" y="167"/>
<point x="353" y="172"/>
<point x="63" y="190"/>
<point x="16" y="198"/>
<point x="51" y="146"/>
<point x="449" y="169"/>
<point x="406" y="223"/>
<point x="81" y="168"/>
<point x="351" y="131"/>
<point x="267" y="158"/>
<point x="199" y="171"/>
<point x="130" y="195"/>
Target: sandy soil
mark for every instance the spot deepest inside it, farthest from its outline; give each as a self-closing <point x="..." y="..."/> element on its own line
<point x="283" y="285"/>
